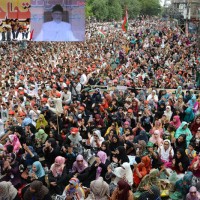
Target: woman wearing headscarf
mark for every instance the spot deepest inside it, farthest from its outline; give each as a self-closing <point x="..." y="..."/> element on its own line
<point x="40" y="138"/>
<point x="195" y="125"/>
<point x="176" y="122"/>
<point x="74" y="190"/>
<point x="79" y="165"/>
<point x="195" y="168"/>
<point x="140" y="149"/>
<point x="153" y="96"/>
<point x="180" y="163"/>
<point x="103" y="163"/>
<point x="115" y="142"/>
<point x="155" y="138"/>
<point x="180" y="143"/>
<point x="120" y="155"/>
<point x="37" y="172"/>
<point x="41" y="123"/>
<point x="128" y="173"/>
<point x="179" y="92"/>
<point x="168" y="113"/>
<point x="142" y="136"/>
<point x="183" y="129"/>
<point x="8" y="191"/>
<point x="122" y="192"/>
<point x="99" y="190"/>
<point x="141" y="169"/>
<point x="157" y="126"/>
<point x="189" y="115"/>
<point x="58" y="175"/>
<point x="193" y="194"/>
<point x="96" y="140"/>
<point x="37" y="191"/>
<point x="14" y="141"/>
<point x="183" y="185"/>
<point x="166" y="153"/>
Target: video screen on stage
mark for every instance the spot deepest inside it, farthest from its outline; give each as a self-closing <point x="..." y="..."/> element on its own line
<point x="42" y="20"/>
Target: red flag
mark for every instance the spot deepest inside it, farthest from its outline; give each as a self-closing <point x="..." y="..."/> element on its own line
<point x="31" y="35"/>
<point x="125" y="23"/>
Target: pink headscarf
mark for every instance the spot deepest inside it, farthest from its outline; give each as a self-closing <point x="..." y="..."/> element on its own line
<point x="58" y="166"/>
<point x="103" y="157"/>
<point x="177" y="123"/>
<point x="13" y="140"/>
<point x="79" y="167"/>
<point x="155" y="138"/>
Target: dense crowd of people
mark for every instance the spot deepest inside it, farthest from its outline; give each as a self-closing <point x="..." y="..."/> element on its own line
<point x="116" y="117"/>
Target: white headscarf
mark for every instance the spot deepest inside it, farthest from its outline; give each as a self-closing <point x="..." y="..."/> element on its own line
<point x="8" y="191"/>
<point x="168" y="113"/>
<point x="128" y="173"/>
<point x="165" y="153"/>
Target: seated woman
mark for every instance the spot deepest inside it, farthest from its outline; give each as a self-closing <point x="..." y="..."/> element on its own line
<point x="141" y="169"/>
<point x="28" y="158"/>
<point x="102" y="163"/>
<point x="176" y="122"/>
<point x="120" y="155"/>
<point x="196" y="140"/>
<point x="14" y="141"/>
<point x="195" y="125"/>
<point x="36" y="173"/>
<point x="41" y="123"/>
<point x="180" y="142"/>
<point x="40" y="139"/>
<point x="155" y="138"/>
<point x="183" y="185"/>
<point x="74" y="190"/>
<point x="195" y="168"/>
<point x="193" y="194"/>
<point x="8" y="191"/>
<point x="58" y="176"/>
<point x="157" y="126"/>
<point x="183" y="129"/>
<point x="10" y="170"/>
<point x="99" y="189"/>
<point x="96" y="140"/>
<point x="166" y="153"/>
<point x="79" y="165"/>
<point x="180" y="163"/>
<point x="122" y="192"/>
<point x="36" y="190"/>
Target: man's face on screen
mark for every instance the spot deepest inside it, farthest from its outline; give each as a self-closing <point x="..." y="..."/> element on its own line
<point x="57" y="16"/>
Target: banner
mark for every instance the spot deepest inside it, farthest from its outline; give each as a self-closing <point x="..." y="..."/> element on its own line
<point x="15" y="9"/>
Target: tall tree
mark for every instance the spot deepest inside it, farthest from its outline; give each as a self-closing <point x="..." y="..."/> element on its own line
<point x="115" y="10"/>
<point x="150" y="7"/>
<point x="133" y="7"/>
<point x="100" y="9"/>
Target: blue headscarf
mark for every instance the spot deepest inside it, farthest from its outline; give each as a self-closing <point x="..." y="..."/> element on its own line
<point x="189" y="115"/>
<point x="40" y="171"/>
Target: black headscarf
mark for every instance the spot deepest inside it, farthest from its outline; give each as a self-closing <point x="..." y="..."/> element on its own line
<point x="183" y="159"/>
<point x="122" y="156"/>
<point x="142" y="136"/>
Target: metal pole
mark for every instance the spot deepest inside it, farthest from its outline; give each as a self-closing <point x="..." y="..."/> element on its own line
<point x="187" y="17"/>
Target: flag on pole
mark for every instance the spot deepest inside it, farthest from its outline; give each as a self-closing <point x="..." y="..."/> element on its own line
<point x="31" y="34"/>
<point x="125" y="23"/>
<point x="102" y="33"/>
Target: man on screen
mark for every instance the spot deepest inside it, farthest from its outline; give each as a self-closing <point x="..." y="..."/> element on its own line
<point x="56" y="30"/>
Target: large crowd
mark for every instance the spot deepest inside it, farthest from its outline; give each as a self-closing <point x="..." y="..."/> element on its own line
<point x="116" y="117"/>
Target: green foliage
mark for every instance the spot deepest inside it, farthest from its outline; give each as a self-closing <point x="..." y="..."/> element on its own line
<point x="133" y="7"/>
<point x="115" y="9"/>
<point x="100" y="9"/>
<point x="150" y="7"/>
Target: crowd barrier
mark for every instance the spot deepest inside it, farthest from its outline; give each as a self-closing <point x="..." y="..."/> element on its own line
<point x="123" y="88"/>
